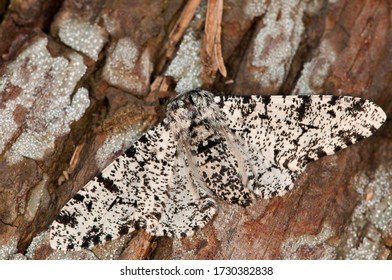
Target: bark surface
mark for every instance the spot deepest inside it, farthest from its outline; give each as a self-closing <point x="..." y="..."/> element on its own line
<point x="80" y="80"/>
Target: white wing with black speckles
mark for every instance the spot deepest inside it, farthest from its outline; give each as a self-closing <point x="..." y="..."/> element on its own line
<point x="144" y="188"/>
<point x="282" y="134"/>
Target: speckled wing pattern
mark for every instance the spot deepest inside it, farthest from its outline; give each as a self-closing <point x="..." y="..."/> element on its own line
<point x="233" y="148"/>
<point x="282" y="134"/>
<point x="143" y="188"/>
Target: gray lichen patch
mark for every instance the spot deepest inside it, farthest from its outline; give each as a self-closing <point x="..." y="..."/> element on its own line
<point x="127" y="68"/>
<point x="186" y="66"/>
<point x="72" y="255"/>
<point x="277" y="41"/>
<point x="83" y="36"/>
<point x="38" y="196"/>
<point x="309" y="246"/>
<point x="7" y="250"/>
<point x="316" y="71"/>
<point x="18" y="256"/>
<point x="44" y="107"/>
<point x="39" y="240"/>
<point x="372" y="218"/>
<point x="255" y="8"/>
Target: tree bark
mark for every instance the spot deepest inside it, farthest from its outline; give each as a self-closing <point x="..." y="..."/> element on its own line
<point x="81" y="80"/>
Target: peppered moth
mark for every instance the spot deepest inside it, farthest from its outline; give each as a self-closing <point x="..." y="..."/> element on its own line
<point x="233" y="148"/>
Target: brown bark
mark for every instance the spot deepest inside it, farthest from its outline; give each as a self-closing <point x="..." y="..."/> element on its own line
<point x="57" y="137"/>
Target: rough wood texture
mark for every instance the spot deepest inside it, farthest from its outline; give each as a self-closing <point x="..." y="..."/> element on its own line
<point x="80" y="80"/>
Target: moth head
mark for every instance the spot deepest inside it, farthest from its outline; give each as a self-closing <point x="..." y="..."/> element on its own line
<point x="192" y="108"/>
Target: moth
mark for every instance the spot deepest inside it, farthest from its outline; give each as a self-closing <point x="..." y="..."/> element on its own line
<point x="228" y="147"/>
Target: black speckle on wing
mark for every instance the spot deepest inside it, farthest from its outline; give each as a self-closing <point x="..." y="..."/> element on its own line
<point x="108" y="184"/>
<point x="130" y="152"/>
<point x="67" y="219"/>
<point x="333" y="100"/>
<point x="303" y="108"/>
<point x="78" y="197"/>
<point x="206" y="145"/>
